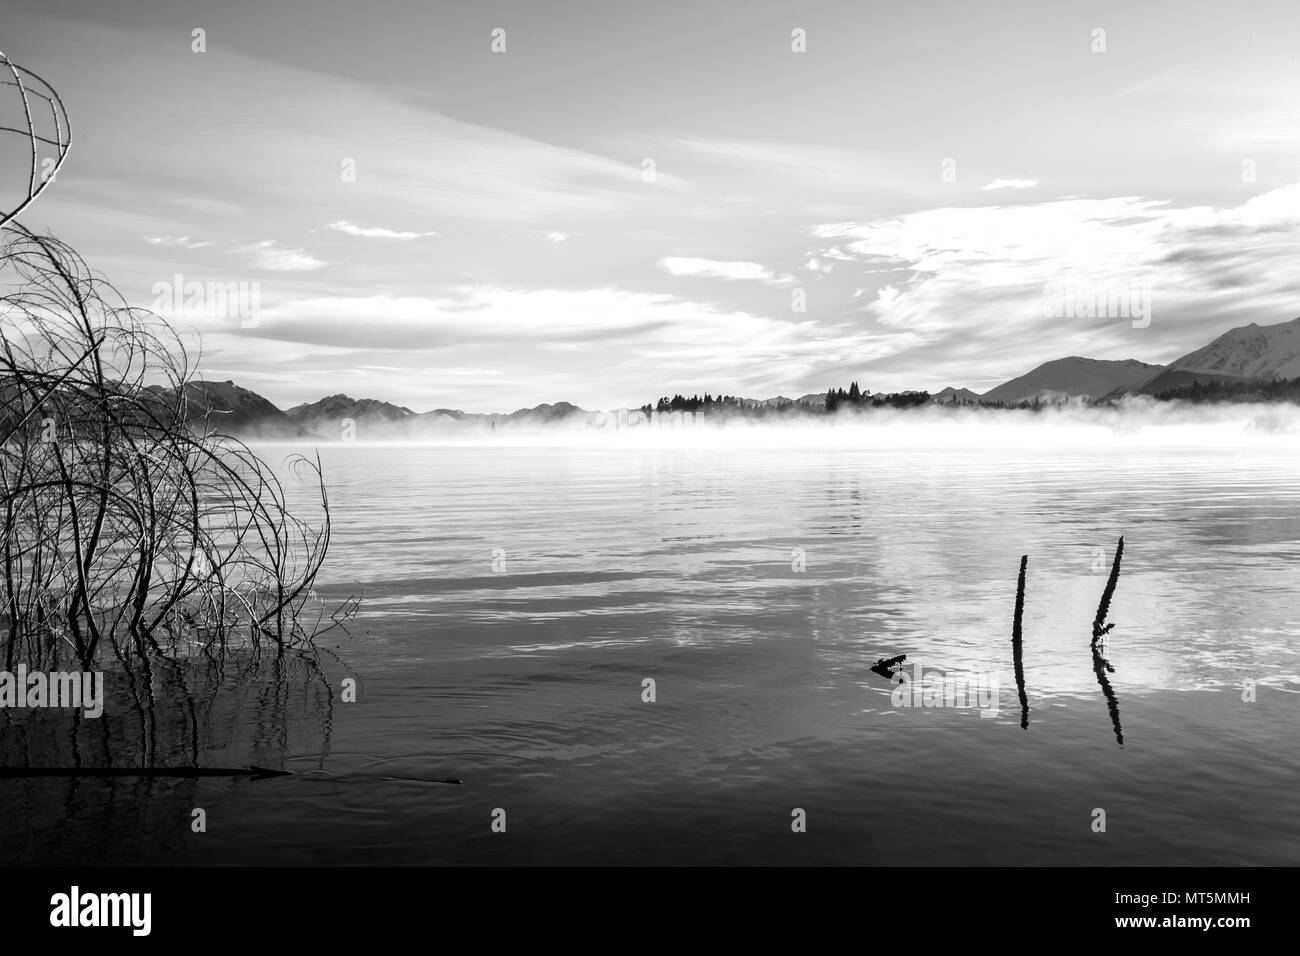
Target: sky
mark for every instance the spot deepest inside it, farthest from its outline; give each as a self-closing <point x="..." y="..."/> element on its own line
<point x="627" y="200"/>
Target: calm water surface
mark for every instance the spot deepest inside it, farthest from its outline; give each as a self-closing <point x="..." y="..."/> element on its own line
<point x="515" y="600"/>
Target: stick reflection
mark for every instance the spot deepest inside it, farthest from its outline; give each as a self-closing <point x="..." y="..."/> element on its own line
<point x="1100" y="665"/>
<point x="1017" y="644"/>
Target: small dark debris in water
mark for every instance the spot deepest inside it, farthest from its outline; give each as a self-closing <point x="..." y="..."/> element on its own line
<point x="885" y="668"/>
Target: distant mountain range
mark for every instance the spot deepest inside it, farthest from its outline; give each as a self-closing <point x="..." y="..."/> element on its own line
<point x="955" y="396"/>
<point x="1072" y="377"/>
<point x="323" y="417"/>
<point x="1249" y="354"/>
<point x="233" y="409"/>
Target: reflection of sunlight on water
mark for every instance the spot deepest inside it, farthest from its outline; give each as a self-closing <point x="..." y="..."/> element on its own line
<point x="757" y="579"/>
<point x="515" y="599"/>
<point x="903" y="551"/>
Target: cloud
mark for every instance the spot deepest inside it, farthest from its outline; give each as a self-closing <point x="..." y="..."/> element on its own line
<point x="826" y="167"/>
<point x="557" y="237"/>
<point x="267" y="255"/>
<point x="974" y="283"/>
<point x="1011" y="184"/>
<point x="474" y="372"/>
<point x="409" y="158"/>
<point x="375" y="232"/>
<point x="177" y="242"/>
<point x="678" y="266"/>
<point x="644" y="332"/>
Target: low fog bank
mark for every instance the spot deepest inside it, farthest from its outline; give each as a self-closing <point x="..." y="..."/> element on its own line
<point x="1138" y="423"/>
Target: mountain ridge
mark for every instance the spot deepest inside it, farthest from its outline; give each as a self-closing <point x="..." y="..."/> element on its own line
<point x="1242" y="355"/>
<point x="1072" y="377"/>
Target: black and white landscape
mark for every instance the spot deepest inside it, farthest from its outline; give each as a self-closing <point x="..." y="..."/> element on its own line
<point x="689" y="433"/>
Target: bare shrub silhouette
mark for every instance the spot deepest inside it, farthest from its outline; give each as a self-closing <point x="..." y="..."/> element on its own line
<point x="130" y="522"/>
<point x="34" y="122"/>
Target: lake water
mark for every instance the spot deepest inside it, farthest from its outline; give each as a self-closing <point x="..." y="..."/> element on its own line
<point x="516" y="600"/>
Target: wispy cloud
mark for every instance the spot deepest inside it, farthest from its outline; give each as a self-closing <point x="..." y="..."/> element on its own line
<point x="639" y="334"/>
<point x="177" y="242"/>
<point x="680" y="266"/>
<point x="825" y="166"/>
<point x="375" y="232"/>
<point x="1011" y="184"/>
<point x="268" y="255"/>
